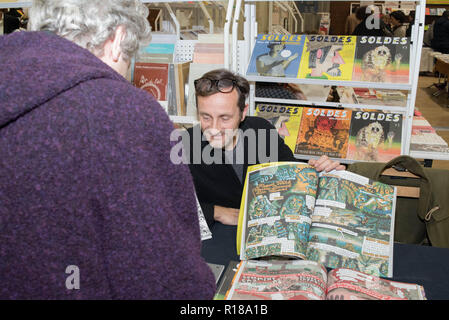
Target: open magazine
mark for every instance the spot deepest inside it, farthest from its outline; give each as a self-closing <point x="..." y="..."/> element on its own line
<point x="339" y="219"/>
<point x="309" y="280"/>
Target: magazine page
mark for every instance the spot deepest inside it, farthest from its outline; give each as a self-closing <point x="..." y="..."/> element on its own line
<point x="204" y="228"/>
<point x="279" y="280"/>
<point x="278" y="203"/>
<point x="347" y="284"/>
<point x="353" y="224"/>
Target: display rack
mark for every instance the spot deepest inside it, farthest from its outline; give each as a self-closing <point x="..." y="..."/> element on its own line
<point x="410" y="87"/>
<point x="237" y="56"/>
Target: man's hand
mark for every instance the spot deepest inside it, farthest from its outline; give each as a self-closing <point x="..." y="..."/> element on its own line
<point x="326" y="164"/>
<point x="229" y="216"/>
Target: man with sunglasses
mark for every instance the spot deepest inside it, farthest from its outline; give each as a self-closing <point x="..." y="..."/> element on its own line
<point x="227" y="141"/>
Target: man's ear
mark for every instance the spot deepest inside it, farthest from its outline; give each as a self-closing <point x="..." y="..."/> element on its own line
<point x="116" y="50"/>
<point x="244" y="112"/>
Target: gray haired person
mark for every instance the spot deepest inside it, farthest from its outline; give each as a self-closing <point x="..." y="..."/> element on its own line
<point x="91" y="205"/>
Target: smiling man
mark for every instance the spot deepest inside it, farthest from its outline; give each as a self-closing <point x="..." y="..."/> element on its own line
<point x="228" y="141"/>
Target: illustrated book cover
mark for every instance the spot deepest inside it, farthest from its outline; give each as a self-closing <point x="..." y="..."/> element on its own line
<point x="375" y="136"/>
<point x="285" y="118"/>
<point x="339" y="219"/>
<point x="153" y="78"/>
<point x="324" y="132"/>
<point x="327" y="57"/>
<point x="382" y="59"/>
<point x="276" y="55"/>
<point x="309" y="280"/>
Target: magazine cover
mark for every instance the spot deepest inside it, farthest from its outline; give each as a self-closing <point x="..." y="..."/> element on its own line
<point x="286" y="120"/>
<point x="324" y="132"/>
<point x="276" y="55"/>
<point x="382" y="59"/>
<point x="153" y="78"/>
<point x="375" y="136"/>
<point x="327" y="57"/>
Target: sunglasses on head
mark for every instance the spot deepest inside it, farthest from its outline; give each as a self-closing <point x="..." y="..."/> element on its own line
<point x="222" y="85"/>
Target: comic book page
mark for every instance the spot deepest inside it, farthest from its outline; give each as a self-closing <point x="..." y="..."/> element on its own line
<point x="324" y="132"/>
<point x="286" y="119"/>
<point x="347" y="284"/>
<point x="353" y="224"/>
<point x="375" y="136"/>
<point x="327" y="57"/>
<point x="279" y="280"/>
<point x="277" y="205"/>
<point x="382" y="59"/>
<point x="276" y="55"/>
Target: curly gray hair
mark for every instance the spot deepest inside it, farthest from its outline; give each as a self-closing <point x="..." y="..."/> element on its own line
<point x="90" y="23"/>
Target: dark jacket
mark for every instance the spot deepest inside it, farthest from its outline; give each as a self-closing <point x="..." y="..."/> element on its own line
<point x="218" y="184"/>
<point x="86" y="180"/>
<point x="440" y="41"/>
<point x="365" y="28"/>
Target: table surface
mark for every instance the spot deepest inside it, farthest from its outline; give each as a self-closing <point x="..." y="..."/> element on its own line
<point x="424" y="265"/>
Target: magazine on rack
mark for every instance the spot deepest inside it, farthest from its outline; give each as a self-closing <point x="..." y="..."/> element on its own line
<point x="382" y="59"/>
<point x="327" y="57"/>
<point x="285" y="118"/>
<point x="309" y="280"/>
<point x="375" y="136"/>
<point x="324" y="132"/>
<point x="339" y="219"/>
<point x="276" y="55"/>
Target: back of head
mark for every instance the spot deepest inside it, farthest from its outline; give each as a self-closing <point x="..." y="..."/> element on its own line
<point x="90" y="23"/>
<point x="399" y="16"/>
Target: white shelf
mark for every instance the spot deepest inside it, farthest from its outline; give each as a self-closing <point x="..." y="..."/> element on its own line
<point x="429" y="155"/>
<point x="308" y="157"/>
<point x="332" y="104"/>
<point x="355" y="84"/>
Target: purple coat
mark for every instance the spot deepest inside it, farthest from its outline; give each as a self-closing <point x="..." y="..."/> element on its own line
<point x="86" y="180"/>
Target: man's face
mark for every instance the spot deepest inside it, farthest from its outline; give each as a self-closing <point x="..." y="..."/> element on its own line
<point x="220" y="118"/>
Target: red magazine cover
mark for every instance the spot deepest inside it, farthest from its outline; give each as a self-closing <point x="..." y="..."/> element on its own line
<point x="153" y="78"/>
<point x="324" y="132"/>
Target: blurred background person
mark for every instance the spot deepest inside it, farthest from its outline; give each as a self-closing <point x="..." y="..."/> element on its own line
<point x="440" y="41"/>
<point x="399" y="23"/>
